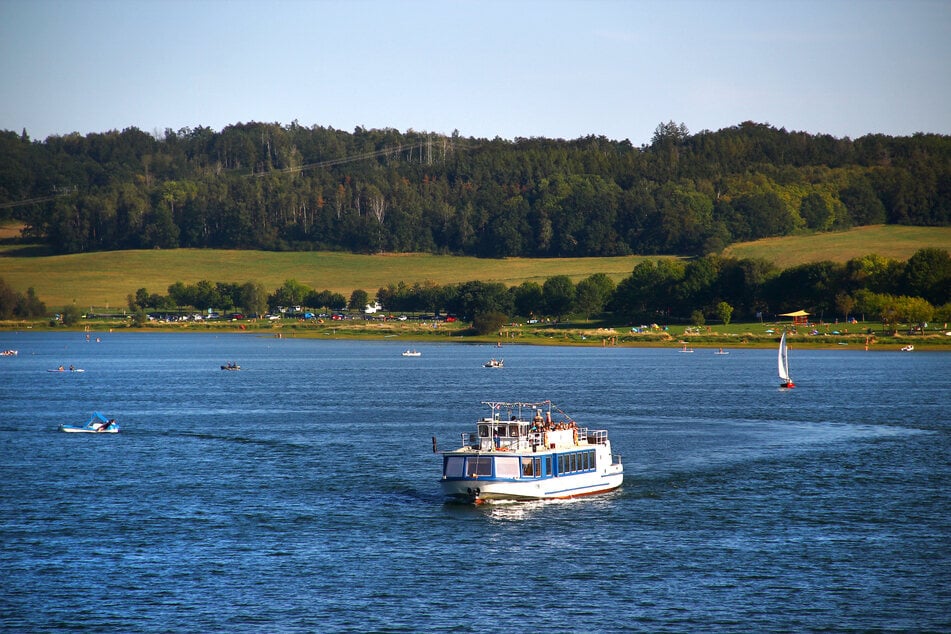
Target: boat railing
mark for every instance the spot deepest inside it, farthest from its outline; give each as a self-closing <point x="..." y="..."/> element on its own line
<point x="531" y="440"/>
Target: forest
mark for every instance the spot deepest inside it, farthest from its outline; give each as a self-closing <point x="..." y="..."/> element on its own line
<point x="289" y="187"/>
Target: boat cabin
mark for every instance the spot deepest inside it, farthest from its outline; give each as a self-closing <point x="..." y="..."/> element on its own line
<point x="498" y="447"/>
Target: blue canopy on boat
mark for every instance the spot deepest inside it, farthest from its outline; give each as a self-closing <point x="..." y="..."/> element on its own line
<point x="97" y="417"/>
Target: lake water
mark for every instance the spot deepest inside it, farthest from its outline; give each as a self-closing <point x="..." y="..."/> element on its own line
<point x="302" y="494"/>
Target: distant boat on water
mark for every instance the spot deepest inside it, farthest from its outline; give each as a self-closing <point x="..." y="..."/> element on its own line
<point x="785" y="380"/>
<point x="98" y="424"/>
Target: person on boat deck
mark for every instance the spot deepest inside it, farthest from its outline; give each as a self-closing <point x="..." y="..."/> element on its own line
<point x="71" y="368"/>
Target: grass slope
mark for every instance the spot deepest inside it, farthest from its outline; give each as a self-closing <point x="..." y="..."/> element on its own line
<point x="105" y="279"/>
<point x="897" y="242"/>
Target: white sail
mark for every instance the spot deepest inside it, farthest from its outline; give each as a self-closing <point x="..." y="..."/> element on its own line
<point x="783" y="360"/>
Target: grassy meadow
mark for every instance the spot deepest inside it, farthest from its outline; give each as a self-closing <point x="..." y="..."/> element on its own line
<point x="103" y="280"/>
<point x="897" y="242"/>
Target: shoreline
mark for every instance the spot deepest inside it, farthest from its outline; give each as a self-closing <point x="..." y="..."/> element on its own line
<point x="515" y="335"/>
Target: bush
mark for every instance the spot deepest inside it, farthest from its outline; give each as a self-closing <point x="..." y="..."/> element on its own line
<point x="71" y="315"/>
<point x="489" y="322"/>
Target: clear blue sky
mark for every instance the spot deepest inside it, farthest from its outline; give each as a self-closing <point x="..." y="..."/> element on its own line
<point x="558" y="69"/>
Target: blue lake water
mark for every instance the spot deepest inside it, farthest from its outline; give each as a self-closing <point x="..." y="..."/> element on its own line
<point x="301" y="493"/>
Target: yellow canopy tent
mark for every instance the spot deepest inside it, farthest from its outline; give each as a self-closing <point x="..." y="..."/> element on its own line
<point x="799" y="317"/>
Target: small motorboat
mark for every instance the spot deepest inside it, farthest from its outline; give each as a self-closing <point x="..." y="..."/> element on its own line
<point x="907" y="348"/>
<point x="412" y="353"/>
<point x="231" y="366"/>
<point x="64" y="369"/>
<point x="9" y="353"/>
<point x="494" y="363"/>
<point x="722" y="351"/>
<point x="98" y="424"/>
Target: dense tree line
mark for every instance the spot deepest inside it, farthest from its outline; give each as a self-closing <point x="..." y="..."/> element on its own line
<point x="657" y="291"/>
<point x="269" y="186"/>
<point x="19" y="305"/>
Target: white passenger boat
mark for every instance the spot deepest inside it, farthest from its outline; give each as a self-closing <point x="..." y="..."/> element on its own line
<point x="412" y="353"/>
<point x="520" y="453"/>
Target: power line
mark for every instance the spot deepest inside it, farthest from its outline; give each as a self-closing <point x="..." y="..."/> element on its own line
<point x="396" y="149"/>
<point x="33" y="201"/>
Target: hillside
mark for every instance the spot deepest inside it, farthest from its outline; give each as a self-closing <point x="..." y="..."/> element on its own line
<point x="105" y="279"/>
<point x="290" y="188"/>
<point x="890" y="241"/>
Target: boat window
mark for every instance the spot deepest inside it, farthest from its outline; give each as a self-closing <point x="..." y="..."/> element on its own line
<point x="453" y="467"/>
<point x="479" y="466"/>
<point x="528" y="467"/>
<point x="500" y="430"/>
<point x="506" y="467"/>
<point x="484" y="431"/>
<point x="513" y="431"/>
<point x="573" y="462"/>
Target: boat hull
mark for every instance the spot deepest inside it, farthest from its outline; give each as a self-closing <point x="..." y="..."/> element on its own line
<point x="486" y="490"/>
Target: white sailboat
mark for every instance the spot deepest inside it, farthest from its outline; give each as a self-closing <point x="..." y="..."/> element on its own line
<point x="784" y="379"/>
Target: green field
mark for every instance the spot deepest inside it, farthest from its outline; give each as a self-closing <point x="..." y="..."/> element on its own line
<point x="897" y="242"/>
<point x="103" y="280"/>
